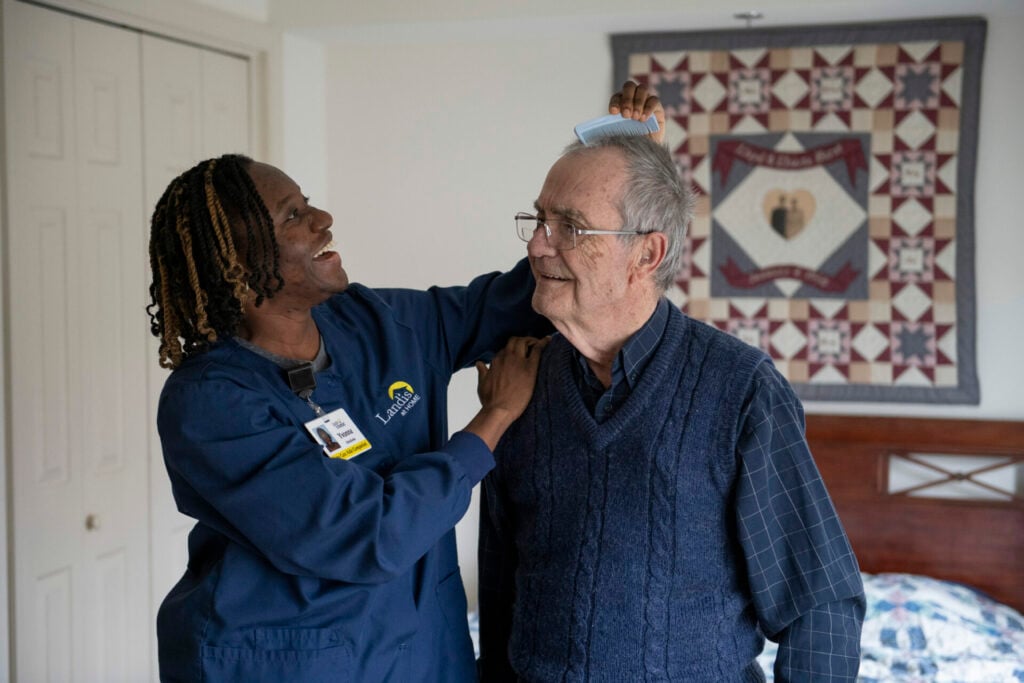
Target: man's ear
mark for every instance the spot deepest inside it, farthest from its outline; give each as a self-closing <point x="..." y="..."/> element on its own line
<point x="650" y="253"/>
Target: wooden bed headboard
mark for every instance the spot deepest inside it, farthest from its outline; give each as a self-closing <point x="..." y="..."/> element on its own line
<point x="979" y="543"/>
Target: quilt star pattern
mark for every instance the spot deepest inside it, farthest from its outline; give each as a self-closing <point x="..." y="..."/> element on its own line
<point x="834" y="173"/>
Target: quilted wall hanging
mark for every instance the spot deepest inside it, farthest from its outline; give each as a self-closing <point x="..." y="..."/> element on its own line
<point x="834" y="169"/>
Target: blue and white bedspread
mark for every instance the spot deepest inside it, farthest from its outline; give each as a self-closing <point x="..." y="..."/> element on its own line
<point x="922" y="630"/>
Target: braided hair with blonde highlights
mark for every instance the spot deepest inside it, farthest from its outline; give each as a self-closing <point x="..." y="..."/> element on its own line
<point x="211" y="247"/>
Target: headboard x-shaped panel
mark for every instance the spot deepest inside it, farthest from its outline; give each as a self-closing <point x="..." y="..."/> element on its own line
<point x="977" y="542"/>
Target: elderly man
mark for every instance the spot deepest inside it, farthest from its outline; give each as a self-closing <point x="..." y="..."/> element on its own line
<point x="655" y="512"/>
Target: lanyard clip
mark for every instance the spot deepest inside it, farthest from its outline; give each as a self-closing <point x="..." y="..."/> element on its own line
<point x="302" y="381"/>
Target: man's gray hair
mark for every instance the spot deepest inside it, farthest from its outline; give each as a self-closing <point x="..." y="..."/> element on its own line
<point x="655" y="200"/>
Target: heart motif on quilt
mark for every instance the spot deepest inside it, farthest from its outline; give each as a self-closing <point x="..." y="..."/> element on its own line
<point x="788" y="212"/>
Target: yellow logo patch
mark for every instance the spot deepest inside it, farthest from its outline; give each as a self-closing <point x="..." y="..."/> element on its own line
<point x="399" y="385"/>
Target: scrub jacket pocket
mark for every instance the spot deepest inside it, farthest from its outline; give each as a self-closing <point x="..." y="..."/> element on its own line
<point x="307" y="655"/>
<point x="452" y="597"/>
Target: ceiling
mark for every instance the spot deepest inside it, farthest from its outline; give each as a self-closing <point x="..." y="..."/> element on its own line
<point x="341" y="17"/>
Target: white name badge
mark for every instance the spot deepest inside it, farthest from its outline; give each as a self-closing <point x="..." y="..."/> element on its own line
<point x="338" y="434"/>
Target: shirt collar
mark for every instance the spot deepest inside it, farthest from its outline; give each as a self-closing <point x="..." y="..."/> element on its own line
<point x="634" y="355"/>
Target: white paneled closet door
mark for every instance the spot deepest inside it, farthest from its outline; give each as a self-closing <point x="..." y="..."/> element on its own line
<point x="99" y="120"/>
<point x="78" y="427"/>
<point x="195" y="106"/>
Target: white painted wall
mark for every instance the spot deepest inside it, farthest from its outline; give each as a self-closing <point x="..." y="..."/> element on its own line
<point x="5" y="665"/>
<point x="438" y="132"/>
<point x="304" y="114"/>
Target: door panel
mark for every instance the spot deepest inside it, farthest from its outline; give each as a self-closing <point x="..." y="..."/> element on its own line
<point x="110" y="329"/>
<point x="51" y="596"/>
<point x="79" y="470"/>
<point x="45" y="488"/>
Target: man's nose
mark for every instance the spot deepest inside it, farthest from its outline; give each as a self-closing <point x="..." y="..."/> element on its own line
<point x="539" y="245"/>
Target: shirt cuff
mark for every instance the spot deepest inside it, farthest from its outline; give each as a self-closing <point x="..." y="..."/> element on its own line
<point x="472" y="453"/>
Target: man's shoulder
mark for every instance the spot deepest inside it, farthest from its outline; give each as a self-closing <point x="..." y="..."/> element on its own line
<point x="720" y="340"/>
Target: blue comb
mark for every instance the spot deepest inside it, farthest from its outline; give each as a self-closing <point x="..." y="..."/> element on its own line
<point x="613" y="124"/>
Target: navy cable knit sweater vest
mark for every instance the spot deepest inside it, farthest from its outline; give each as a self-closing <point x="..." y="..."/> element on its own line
<point x="629" y="567"/>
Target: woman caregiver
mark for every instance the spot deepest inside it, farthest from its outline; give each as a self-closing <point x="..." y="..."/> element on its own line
<point x="311" y="562"/>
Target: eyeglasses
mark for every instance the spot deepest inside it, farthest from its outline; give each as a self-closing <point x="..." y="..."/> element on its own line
<point x="560" y="232"/>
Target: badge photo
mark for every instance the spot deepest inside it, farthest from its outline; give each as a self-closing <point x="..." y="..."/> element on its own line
<point x="338" y="435"/>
